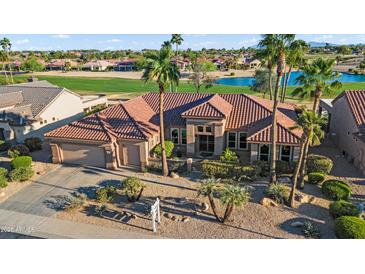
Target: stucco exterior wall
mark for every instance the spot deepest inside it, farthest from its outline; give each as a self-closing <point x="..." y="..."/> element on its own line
<point x="342" y="127"/>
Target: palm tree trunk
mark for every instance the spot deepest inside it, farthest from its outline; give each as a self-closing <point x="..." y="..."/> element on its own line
<point x="165" y="169"/>
<point x="228" y="212"/>
<point x="286" y="85"/>
<point x="303" y="167"/>
<point x="177" y="56"/>
<point x="11" y="75"/>
<point x="317" y="97"/>
<point x="214" y="208"/>
<point x="270" y="83"/>
<point x="296" y="173"/>
<point x="282" y="88"/>
<point x="6" y="76"/>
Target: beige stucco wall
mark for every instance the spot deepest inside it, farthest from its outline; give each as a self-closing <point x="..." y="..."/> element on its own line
<point x="342" y="128"/>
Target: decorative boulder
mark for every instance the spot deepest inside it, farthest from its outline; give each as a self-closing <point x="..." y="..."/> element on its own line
<point x="205" y="207"/>
<point x="302" y="198"/>
<point x="297" y="224"/>
<point x="174" y="175"/>
<point x="268" y="202"/>
<point x="284" y="180"/>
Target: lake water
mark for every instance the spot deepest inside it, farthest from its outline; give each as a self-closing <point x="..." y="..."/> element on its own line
<point x="249" y="81"/>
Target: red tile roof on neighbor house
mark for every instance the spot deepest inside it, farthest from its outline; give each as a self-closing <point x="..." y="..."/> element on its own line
<point x="138" y="119"/>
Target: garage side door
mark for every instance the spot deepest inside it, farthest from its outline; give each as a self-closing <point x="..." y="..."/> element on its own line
<point x="132" y="156"/>
<point x="83" y="155"/>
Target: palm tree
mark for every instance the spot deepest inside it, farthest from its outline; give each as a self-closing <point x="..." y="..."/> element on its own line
<point x="311" y="124"/>
<point x="6" y="47"/>
<point x="318" y="78"/>
<point x="177" y="40"/>
<point x="278" y="45"/>
<point x="159" y="68"/>
<point x="295" y="59"/>
<point x="207" y="189"/>
<point x="233" y="196"/>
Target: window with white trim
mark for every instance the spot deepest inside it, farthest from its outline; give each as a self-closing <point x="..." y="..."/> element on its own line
<point x="231" y="140"/>
<point x="175" y="135"/>
<point x="242" y="140"/>
<point x="183" y="136"/>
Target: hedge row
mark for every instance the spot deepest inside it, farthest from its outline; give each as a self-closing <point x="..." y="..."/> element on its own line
<point x="221" y="170"/>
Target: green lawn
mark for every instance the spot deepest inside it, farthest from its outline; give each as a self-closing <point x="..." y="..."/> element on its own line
<point x="127" y="88"/>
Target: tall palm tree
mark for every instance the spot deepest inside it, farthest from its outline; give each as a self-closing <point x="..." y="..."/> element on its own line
<point x="278" y="44"/>
<point x="6" y="47"/>
<point x="311" y="124"/>
<point x="176" y="40"/>
<point x="295" y="60"/>
<point x="318" y="78"/>
<point x="159" y="68"/>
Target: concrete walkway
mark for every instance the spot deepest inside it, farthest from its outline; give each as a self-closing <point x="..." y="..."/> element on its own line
<point x="45" y="227"/>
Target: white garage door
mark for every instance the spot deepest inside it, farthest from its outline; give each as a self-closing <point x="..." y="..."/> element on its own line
<point x="83" y="155"/>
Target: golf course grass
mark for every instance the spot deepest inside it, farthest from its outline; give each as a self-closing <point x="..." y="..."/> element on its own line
<point x="127" y="88"/>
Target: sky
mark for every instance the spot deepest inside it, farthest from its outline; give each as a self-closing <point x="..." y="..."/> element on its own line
<point x="154" y="41"/>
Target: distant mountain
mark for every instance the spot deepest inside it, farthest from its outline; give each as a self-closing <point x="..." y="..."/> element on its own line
<point x="320" y="44"/>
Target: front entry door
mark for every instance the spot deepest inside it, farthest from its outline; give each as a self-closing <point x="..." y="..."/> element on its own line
<point x="206" y="144"/>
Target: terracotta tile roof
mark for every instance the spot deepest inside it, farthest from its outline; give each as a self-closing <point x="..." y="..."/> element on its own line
<point x="215" y="107"/>
<point x="139" y="118"/>
<point x="356" y="100"/>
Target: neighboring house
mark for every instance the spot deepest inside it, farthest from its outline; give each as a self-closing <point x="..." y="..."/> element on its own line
<point x="60" y="64"/>
<point x="34" y="108"/>
<point x="126" y="65"/>
<point x="97" y="65"/>
<point x="346" y="115"/>
<point x="200" y="125"/>
<point x="255" y="63"/>
<point x="181" y="64"/>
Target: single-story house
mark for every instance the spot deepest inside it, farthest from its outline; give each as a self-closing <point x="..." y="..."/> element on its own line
<point x="97" y="65"/>
<point x="126" y="65"/>
<point x="200" y="125"/>
<point x="34" y="108"/>
<point x="346" y="116"/>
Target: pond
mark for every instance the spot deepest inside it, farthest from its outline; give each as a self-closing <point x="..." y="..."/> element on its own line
<point x="249" y="81"/>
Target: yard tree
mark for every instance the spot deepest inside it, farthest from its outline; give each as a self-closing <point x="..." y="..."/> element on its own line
<point x="278" y="44"/>
<point x="208" y="188"/>
<point x="311" y="124"/>
<point x="263" y="80"/>
<point x="199" y="77"/>
<point x="6" y="47"/>
<point x="160" y="69"/>
<point x="344" y="50"/>
<point x="176" y="40"/>
<point x="233" y="196"/>
<point x="32" y="64"/>
<point x="295" y="60"/>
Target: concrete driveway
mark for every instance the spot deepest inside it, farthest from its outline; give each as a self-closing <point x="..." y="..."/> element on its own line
<point x="43" y="197"/>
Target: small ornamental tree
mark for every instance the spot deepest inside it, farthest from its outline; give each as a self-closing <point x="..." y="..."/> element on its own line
<point x="133" y="188"/>
<point x="169" y="147"/>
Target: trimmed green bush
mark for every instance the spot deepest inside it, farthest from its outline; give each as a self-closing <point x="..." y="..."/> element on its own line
<point x="33" y="143"/>
<point x="18" y="150"/>
<point x="229" y="156"/>
<point x="343" y="208"/>
<point x="133" y="188"/>
<point x="222" y="170"/>
<point x="21" y="174"/>
<point x="316" y="178"/>
<point x="3" y="182"/>
<point x="278" y="192"/>
<point x="169" y="146"/>
<point x="283" y="167"/>
<point x="3" y="172"/>
<point x="350" y="227"/>
<point x="105" y="194"/>
<point x="21" y="161"/>
<point x="319" y="163"/>
<point x="336" y="190"/>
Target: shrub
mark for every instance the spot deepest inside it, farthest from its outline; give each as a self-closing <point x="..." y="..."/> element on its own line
<point x="336" y="190"/>
<point x="21" y="161"/>
<point x="18" y="150"/>
<point x="105" y="194"/>
<point x="75" y="203"/>
<point x="133" y="188"/>
<point x="3" y="172"/>
<point x="225" y="170"/>
<point x="229" y="156"/>
<point x="350" y="227"/>
<point x="310" y="230"/>
<point x="316" y="178"/>
<point x="4" y="146"/>
<point x="169" y="146"/>
<point x="283" y="167"/>
<point x="21" y="174"/>
<point x="319" y="163"/>
<point x="33" y="143"/>
<point x="3" y="182"/>
<point x="278" y="192"/>
<point x="343" y="208"/>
